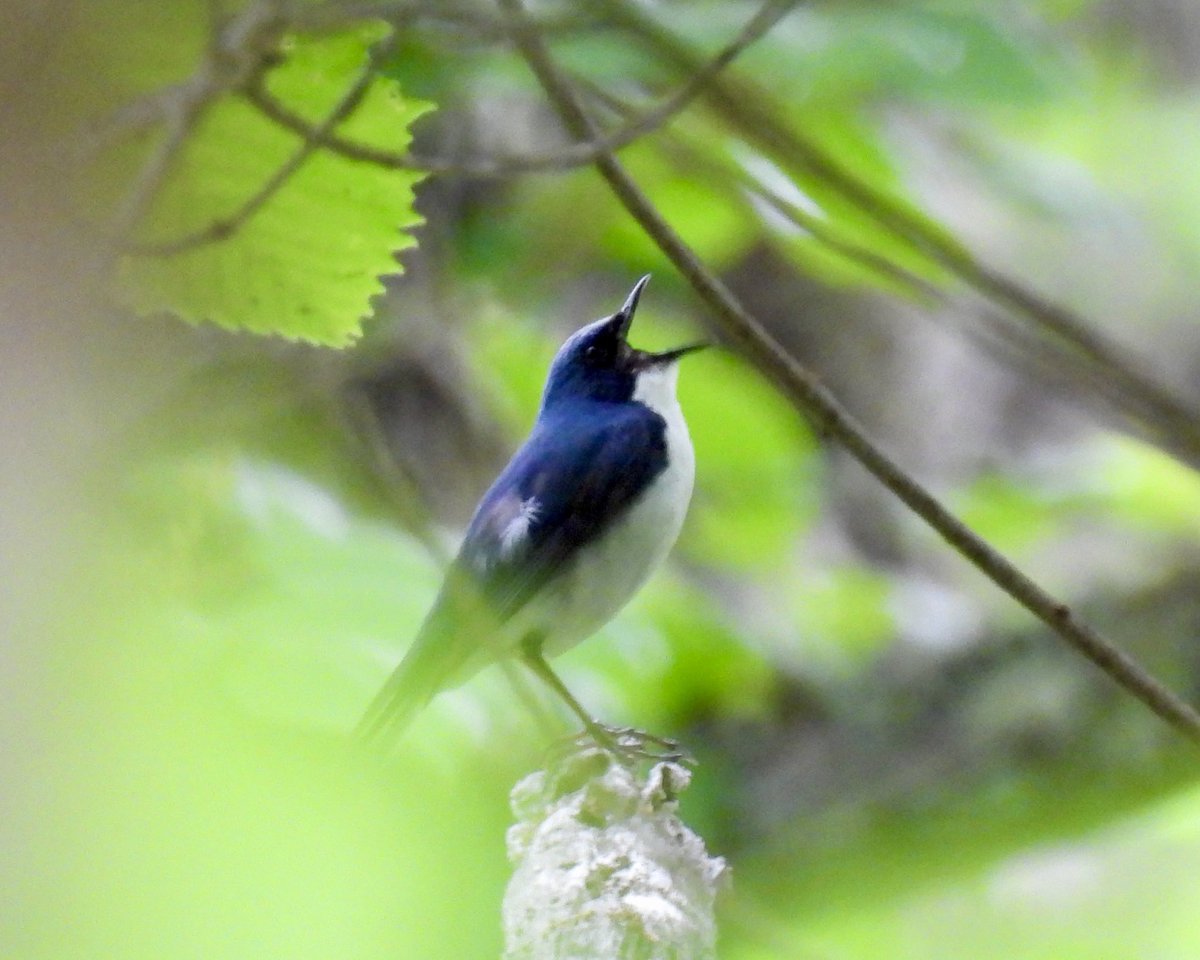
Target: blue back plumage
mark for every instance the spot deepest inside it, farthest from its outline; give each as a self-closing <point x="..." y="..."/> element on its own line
<point x="584" y="465"/>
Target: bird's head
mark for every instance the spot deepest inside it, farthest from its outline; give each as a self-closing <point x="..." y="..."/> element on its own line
<point x="597" y="363"/>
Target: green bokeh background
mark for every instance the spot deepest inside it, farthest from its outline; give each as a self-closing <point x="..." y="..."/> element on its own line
<point x="218" y="544"/>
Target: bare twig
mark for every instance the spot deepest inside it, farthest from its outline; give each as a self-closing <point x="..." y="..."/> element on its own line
<point x="566" y="158"/>
<point x="810" y="396"/>
<point x="1174" y="421"/>
<point x="481" y="22"/>
<point x="182" y="113"/>
<point x="1012" y="341"/>
<point x="486" y="168"/>
<point x="126" y="121"/>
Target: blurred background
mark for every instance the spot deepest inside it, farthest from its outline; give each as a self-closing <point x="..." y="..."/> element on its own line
<point x="978" y="223"/>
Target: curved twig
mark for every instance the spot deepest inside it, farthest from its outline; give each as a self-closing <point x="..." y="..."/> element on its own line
<point x="811" y="397"/>
<point x="225" y="227"/>
<point x="483" y="23"/>
<point x="566" y="158"/>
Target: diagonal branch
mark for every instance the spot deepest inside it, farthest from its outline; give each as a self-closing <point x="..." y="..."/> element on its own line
<point x="181" y="111"/>
<point x="1007" y="338"/>
<point x="1010" y="339"/>
<point x="811" y="397"/>
<point x="1174" y="421"/>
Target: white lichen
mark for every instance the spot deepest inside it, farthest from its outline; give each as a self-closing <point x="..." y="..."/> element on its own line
<point x="605" y="868"/>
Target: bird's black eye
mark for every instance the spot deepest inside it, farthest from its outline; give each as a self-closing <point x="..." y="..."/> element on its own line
<point x="596" y="354"/>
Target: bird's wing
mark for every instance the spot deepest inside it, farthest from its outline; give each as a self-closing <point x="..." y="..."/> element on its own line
<point x="572" y="478"/>
<point x="562" y="489"/>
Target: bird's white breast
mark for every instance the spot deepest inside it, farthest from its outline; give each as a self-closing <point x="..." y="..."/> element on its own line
<point x="616" y="566"/>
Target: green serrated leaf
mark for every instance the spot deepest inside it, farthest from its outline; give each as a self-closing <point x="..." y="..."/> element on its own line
<point x="306" y="264"/>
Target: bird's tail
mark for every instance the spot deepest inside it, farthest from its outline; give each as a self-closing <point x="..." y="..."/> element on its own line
<point x="419" y="676"/>
<point x="434" y="661"/>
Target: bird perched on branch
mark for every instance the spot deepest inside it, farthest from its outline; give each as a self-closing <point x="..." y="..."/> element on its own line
<point x="571" y="529"/>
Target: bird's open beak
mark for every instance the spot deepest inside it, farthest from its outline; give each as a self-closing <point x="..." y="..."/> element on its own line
<point x="670" y="356"/>
<point x="624" y="316"/>
<point x="624" y="319"/>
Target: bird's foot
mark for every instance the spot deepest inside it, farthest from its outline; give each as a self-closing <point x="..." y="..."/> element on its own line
<point x="630" y="746"/>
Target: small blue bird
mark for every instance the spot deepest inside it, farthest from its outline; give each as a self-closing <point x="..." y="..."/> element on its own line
<point x="572" y="528"/>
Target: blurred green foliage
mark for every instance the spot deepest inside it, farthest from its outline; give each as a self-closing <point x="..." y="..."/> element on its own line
<point x="246" y="586"/>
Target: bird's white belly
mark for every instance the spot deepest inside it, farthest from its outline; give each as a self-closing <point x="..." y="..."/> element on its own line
<point x="615" y="566"/>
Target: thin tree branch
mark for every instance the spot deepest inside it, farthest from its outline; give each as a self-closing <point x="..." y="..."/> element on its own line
<point x="809" y="395"/>
<point x="333" y="14"/>
<point x="126" y="121"/>
<point x="576" y="155"/>
<point x="1166" y="415"/>
<point x="182" y="113"/>
<point x="486" y="168"/>
<point x="1013" y="341"/>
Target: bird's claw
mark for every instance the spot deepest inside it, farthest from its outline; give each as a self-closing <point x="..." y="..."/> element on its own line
<point x="630" y="746"/>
